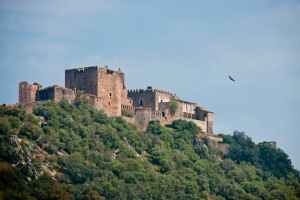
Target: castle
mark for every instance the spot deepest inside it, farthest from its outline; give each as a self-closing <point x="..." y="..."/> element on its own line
<point x="106" y="90"/>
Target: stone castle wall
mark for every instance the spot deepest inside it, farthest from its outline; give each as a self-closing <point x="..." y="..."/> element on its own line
<point x="95" y="101"/>
<point x="85" y="79"/>
<point x="106" y="90"/>
<point x="102" y="82"/>
<point x="145" y="98"/>
<point x="149" y="98"/>
<point x="29" y="106"/>
<point x="56" y="93"/>
<point x="128" y="109"/>
<point x="142" y="118"/>
<point x="28" y="92"/>
<point x="201" y="124"/>
<point x="46" y="94"/>
<point x="187" y="109"/>
<point x="111" y="89"/>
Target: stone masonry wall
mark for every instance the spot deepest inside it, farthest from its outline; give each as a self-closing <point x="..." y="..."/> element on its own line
<point x="210" y="121"/>
<point x="46" y="94"/>
<point x="95" y="101"/>
<point x="149" y="98"/>
<point x="142" y="118"/>
<point x="106" y="90"/>
<point x="102" y="82"/>
<point x="85" y="79"/>
<point x="66" y="94"/>
<point x="27" y="92"/>
<point x="161" y="97"/>
<point x="30" y="105"/>
<point x="145" y="98"/>
<point x="111" y="89"/>
<point x="128" y="109"/>
<point x="201" y="124"/>
<point x="56" y="93"/>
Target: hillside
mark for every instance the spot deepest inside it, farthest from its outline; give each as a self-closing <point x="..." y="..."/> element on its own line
<point x="77" y="152"/>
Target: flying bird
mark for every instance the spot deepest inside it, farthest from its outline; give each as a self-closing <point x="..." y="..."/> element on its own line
<point x="231" y="78"/>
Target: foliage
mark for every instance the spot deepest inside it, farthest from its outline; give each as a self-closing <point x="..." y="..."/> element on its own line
<point x="100" y="157"/>
<point x="264" y="157"/>
<point x="125" y="113"/>
<point x="173" y="106"/>
<point x="24" y="83"/>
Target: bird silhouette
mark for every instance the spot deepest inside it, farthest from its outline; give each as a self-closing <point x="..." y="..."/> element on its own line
<point x="231" y="78"/>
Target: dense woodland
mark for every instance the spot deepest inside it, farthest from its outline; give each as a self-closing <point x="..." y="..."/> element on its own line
<point x="80" y="153"/>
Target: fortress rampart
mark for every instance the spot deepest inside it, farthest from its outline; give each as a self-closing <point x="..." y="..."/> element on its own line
<point x="106" y="90"/>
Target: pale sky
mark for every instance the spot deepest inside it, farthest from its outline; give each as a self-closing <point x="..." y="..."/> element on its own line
<point x="186" y="47"/>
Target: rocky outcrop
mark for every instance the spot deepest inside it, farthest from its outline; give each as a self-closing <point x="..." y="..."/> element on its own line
<point x="30" y="170"/>
<point x="20" y="154"/>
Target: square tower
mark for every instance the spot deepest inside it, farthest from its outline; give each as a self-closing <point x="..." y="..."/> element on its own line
<point x="101" y="82"/>
<point x="28" y="92"/>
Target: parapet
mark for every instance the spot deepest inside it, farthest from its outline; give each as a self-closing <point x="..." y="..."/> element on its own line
<point x="82" y="69"/>
<point x="150" y="90"/>
<point x="104" y="69"/>
<point x="141" y="91"/>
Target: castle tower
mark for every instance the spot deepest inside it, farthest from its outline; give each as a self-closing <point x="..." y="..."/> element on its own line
<point x="101" y="82"/>
<point x="28" y="92"/>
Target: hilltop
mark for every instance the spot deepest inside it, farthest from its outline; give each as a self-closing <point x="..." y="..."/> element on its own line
<point x="74" y="151"/>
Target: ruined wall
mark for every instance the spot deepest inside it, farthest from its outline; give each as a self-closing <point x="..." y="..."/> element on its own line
<point x="66" y="94"/>
<point x="85" y="79"/>
<point x="46" y="94"/>
<point x="56" y="93"/>
<point x="28" y="92"/>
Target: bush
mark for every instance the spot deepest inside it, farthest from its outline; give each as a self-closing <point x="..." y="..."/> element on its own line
<point x="31" y="131"/>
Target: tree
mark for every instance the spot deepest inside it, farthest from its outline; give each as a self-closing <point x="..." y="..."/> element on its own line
<point x="173" y="106"/>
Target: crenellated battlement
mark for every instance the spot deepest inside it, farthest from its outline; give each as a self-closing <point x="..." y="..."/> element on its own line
<point x="128" y="107"/>
<point x="150" y="90"/>
<point x="140" y="91"/>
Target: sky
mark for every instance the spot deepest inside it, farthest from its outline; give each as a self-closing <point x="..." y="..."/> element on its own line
<point x="186" y="47"/>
